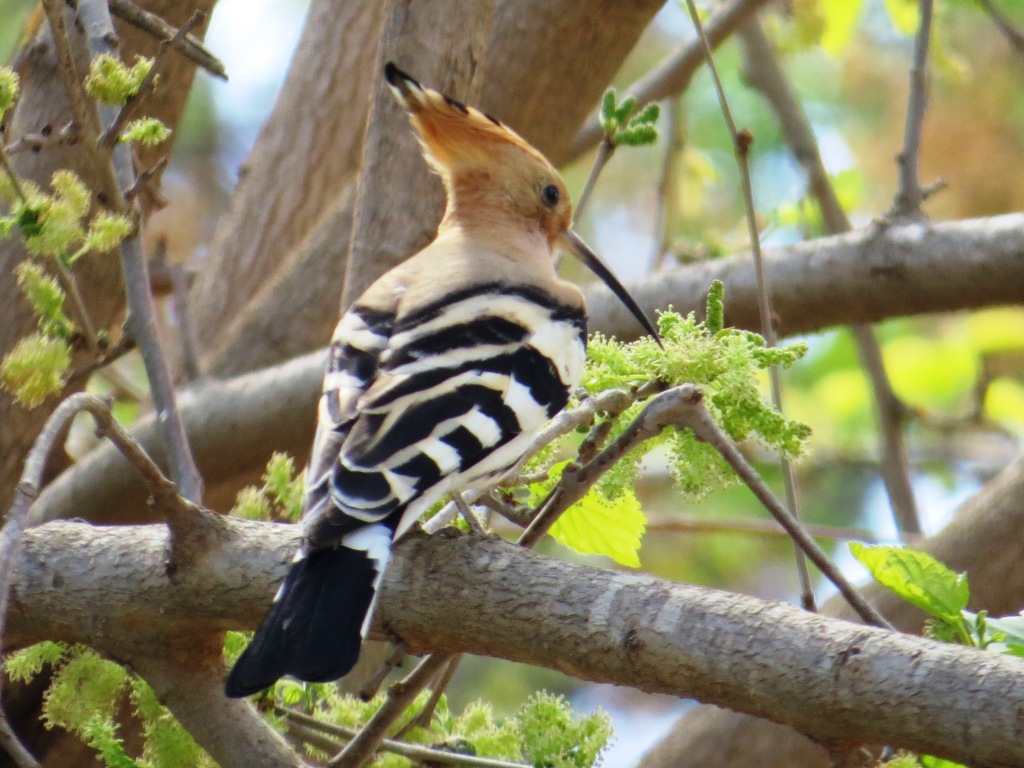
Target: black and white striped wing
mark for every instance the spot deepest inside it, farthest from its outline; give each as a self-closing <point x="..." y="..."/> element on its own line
<point x="360" y="338"/>
<point x="461" y="386"/>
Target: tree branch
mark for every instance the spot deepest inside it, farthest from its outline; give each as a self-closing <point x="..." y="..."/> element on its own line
<point x="762" y="70"/>
<point x="830" y="679"/>
<point x="872" y="274"/>
<point x="234" y="426"/>
<point x="188" y="45"/>
<point x="673" y="75"/>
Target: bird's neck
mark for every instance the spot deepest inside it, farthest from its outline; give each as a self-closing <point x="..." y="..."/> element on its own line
<point x="513" y="239"/>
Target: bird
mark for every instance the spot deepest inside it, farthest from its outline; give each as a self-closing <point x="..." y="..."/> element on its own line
<point x="436" y="380"/>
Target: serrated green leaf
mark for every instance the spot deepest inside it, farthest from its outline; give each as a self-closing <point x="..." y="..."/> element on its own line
<point x="918" y="578"/>
<point x="597" y="526"/>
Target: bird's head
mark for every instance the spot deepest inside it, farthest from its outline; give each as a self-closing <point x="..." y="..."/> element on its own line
<point x="493" y="178"/>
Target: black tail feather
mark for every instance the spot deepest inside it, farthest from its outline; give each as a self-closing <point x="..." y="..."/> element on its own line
<point x="313" y="629"/>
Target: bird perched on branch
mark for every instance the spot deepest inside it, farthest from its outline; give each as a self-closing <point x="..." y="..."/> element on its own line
<point x="437" y="378"/>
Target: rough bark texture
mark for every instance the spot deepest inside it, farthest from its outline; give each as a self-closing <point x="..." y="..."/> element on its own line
<point x="831" y="679"/>
<point x="400" y="202"/>
<point x="547" y="65"/>
<point x="861" y="277"/>
<point x="305" y="154"/>
<point x="234" y="426"/>
<point x="975" y="542"/>
<point x="43" y="102"/>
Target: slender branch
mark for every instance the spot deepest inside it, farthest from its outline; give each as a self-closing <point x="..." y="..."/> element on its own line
<point x="141" y="320"/>
<point x="399" y="697"/>
<point x="12" y="175"/>
<point x="1013" y="35"/>
<point x="673" y="75"/>
<point x="370" y="688"/>
<point x="71" y="287"/>
<point x="605" y="150"/>
<point x="763" y="71"/>
<point x="909" y="194"/>
<point x="412" y="751"/>
<point x="112" y="132"/>
<point x="123" y="346"/>
<point x="189" y="46"/>
<point x="741" y="143"/>
<point x="752" y="526"/>
<point x="695" y="415"/>
<point x="35" y="142"/>
<point x="666" y="195"/>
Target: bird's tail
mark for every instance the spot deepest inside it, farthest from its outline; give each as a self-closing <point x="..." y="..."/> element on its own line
<point x="314" y="628"/>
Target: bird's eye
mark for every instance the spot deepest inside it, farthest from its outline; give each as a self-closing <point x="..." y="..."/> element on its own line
<point x="549" y="195"/>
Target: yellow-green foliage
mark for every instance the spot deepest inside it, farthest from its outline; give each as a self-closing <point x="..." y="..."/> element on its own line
<point x="84" y="696"/>
<point x="147" y="131"/>
<point x="35" y="368"/>
<point x="280" y="497"/>
<point x="111" y="82"/>
<point x="8" y="89"/>
<point x="46" y="297"/>
<point x="726" y="364"/>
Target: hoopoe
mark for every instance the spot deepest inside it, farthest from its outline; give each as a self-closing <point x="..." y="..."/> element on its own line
<point x="437" y="378"/>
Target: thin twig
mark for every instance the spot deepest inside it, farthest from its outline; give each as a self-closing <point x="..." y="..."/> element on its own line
<point x="741" y="143"/>
<point x="142" y="181"/>
<point x="415" y="752"/>
<point x="141" y="322"/>
<point x="122" y="347"/>
<point x="12" y="175"/>
<point x="1013" y="35"/>
<point x="189" y="46"/>
<point x="674" y="73"/>
<point x="467" y="513"/>
<point x="71" y="288"/>
<point x="392" y="662"/>
<point x="163" y="490"/>
<point x="764" y="72"/>
<point x="399" y="697"/>
<point x="665" y="194"/>
<point x="752" y="526"/>
<point x="425" y="715"/>
<point x="909" y="194"/>
<point x="112" y="132"/>
<point x="36" y="142"/>
<point x="605" y="150"/>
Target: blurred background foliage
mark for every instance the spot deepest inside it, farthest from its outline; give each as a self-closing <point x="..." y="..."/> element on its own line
<point x="962" y="375"/>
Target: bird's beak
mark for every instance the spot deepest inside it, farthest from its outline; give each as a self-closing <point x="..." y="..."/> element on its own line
<point x="572" y="242"/>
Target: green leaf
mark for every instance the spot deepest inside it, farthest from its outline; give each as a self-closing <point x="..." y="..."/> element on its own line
<point x="625" y="109"/>
<point x="637" y="136"/>
<point x="903" y="14"/>
<point x="8" y="89"/>
<point x="918" y="578"/>
<point x="841" y="18"/>
<point x="597" y="526"/>
<point x="647" y="115"/>
<point x="928" y="761"/>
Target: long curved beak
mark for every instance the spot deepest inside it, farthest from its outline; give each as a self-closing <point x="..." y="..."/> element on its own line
<point x="574" y="244"/>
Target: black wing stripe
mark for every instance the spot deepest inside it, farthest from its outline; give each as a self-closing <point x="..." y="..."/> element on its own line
<point x="450" y="301"/>
<point x="497" y="331"/>
<point x="466" y="443"/>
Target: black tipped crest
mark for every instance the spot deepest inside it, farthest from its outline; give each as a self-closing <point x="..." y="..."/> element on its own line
<point x="456" y="105"/>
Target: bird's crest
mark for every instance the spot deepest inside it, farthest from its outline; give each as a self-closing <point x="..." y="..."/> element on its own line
<point x="454" y="136"/>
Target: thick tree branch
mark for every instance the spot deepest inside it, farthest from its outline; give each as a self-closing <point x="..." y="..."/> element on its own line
<point x="865" y="276"/>
<point x="982" y="526"/>
<point x="547" y="65"/>
<point x="830" y="679"/>
<point x="234" y="426"/>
